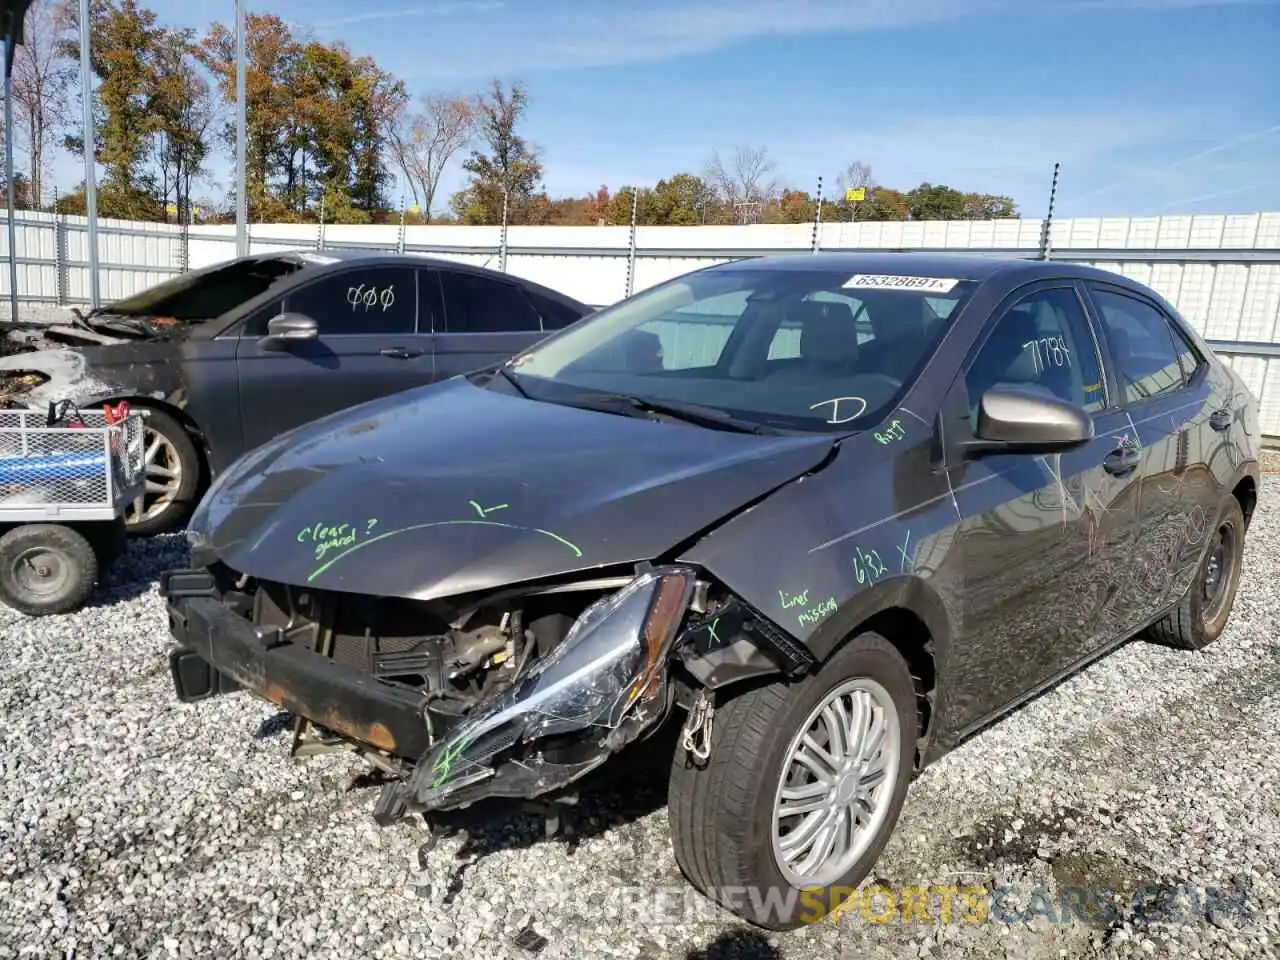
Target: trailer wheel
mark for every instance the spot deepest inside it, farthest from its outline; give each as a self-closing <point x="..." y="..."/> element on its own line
<point x="46" y="568"/>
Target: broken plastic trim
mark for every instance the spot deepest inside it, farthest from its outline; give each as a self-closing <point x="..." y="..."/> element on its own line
<point x="608" y="678"/>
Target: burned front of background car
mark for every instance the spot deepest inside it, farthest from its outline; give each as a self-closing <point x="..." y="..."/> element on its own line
<point x="517" y="693"/>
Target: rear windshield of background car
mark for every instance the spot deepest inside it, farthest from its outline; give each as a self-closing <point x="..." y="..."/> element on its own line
<point x="801" y="349"/>
<point x="205" y="294"/>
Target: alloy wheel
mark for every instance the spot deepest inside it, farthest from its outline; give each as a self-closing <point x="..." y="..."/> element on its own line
<point x="162" y="467"/>
<point x="837" y="783"/>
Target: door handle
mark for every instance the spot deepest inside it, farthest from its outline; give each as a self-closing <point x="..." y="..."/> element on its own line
<point x="1122" y="461"/>
<point x="400" y="353"/>
<point x="1220" y="420"/>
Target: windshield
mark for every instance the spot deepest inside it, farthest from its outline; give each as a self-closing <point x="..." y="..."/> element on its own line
<point x="795" y="349"/>
<point x="204" y="294"/>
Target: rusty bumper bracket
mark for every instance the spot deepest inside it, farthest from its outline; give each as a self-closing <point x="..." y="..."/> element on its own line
<point x="305" y="683"/>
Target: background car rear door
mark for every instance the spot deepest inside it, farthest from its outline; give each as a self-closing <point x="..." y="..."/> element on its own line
<point x="1166" y="392"/>
<point x="486" y="320"/>
<point x="369" y="346"/>
<point x="1041" y="536"/>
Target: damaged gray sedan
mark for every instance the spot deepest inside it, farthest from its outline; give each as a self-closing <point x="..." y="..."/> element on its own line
<point x="832" y="513"/>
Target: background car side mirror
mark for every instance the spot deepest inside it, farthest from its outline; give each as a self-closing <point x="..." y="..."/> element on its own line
<point x="285" y="328"/>
<point x="1016" y="421"/>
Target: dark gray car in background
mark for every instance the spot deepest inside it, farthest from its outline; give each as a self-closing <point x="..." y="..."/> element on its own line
<point x="227" y="357"/>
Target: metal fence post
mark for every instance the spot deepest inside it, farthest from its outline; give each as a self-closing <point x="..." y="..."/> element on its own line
<point x="400" y="238"/>
<point x="184" y="233"/>
<point x="502" y="245"/>
<point x="631" y="254"/>
<point x="320" y="227"/>
<point x="1045" y="243"/>
<point x="817" y="219"/>
<point x="61" y="279"/>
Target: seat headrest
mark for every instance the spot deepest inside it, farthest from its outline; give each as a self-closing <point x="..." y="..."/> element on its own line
<point x="828" y="333"/>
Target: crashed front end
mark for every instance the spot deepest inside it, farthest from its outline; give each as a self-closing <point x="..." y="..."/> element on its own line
<point x="515" y="694"/>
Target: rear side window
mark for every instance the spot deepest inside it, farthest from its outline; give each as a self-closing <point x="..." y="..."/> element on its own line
<point x="379" y="300"/>
<point x="554" y="314"/>
<point x="1142" y="344"/>
<point x="1043" y="344"/>
<point x="1188" y="357"/>
<point x="474" y="304"/>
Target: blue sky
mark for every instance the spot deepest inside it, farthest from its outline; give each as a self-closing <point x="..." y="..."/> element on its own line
<point x="1152" y="106"/>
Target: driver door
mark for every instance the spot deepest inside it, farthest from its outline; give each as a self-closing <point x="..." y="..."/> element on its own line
<point x="373" y="340"/>
<point x="1042" y="537"/>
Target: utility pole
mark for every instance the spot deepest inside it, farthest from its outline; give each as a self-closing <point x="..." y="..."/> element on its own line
<point x="242" y="199"/>
<point x="90" y="154"/>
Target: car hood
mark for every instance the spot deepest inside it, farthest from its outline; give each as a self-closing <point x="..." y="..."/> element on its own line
<point x="452" y="488"/>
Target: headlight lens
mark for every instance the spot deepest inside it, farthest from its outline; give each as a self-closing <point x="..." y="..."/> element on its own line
<point x="612" y="662"/>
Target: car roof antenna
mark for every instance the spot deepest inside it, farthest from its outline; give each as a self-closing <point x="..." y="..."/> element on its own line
<point x="1048" y="220"/>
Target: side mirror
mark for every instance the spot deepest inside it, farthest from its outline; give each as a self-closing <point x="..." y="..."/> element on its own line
<point x="286" y="328"/>
<point x="1013" y="421"/>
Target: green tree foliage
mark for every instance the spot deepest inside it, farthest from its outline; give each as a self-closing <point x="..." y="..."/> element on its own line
<point x="508" y="168"/>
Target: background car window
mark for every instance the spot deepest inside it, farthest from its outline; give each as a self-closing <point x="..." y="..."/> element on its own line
<point x="474" y="304"/>
<point x="1187" y="355"/>
<point x="430" y="302"/>
<point x="375" y="300"/>
<point x="554" y="314"/>
<point x="1042" y="343"/>
<point x="1141" y="345"/>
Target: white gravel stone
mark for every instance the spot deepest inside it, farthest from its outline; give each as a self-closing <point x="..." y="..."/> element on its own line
<point x="133" y="825"/>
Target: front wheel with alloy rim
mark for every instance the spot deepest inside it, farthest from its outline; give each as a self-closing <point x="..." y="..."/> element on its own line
<point x="172" y="466"/>
<point x="1202" y="613"/>
<point x="802" y="789"/>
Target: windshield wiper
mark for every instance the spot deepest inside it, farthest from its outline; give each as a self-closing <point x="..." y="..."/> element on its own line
<point x="511" y="379"/>
<point x="694" y="413"/>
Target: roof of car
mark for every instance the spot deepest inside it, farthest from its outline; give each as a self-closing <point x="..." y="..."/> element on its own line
<point x="330" y="256"/>
<point x="962" y="266"/>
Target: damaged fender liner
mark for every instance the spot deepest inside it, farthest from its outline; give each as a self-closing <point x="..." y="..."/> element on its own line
<point x="307" y="684"/>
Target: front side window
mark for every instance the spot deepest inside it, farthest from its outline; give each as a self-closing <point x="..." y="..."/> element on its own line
<point x="379" y="300"/>
<point x="474" y="304"/>
<point x="1041" y="344"/>
<point x="1141" y="344"/>
<point x="800" y="349"/>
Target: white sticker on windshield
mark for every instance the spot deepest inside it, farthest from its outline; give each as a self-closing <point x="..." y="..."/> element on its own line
<point x="892" y="281"/>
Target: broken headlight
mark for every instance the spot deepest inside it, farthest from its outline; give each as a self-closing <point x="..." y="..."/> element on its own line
<point x="611" y="667"/>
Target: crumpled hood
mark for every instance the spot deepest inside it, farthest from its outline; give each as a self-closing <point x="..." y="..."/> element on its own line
<point x="452" y="488"/>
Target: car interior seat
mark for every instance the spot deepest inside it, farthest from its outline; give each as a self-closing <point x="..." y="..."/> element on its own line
<point x="828" y="343"/>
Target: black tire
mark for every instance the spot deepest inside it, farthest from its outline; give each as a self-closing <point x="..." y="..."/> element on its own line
<point x="1196" y="621"/>
<point x="174" y="514"/>
<point x="721" y="813"/>
<point x="46" y="568"/>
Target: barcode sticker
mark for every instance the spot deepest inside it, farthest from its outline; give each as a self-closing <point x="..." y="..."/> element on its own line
<point x="871" y="281"/>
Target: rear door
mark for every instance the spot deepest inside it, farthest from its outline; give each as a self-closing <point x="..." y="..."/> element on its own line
<point x="1042" y="536"/>
<point x="1165" y="389"/>
<point x="486" y="321"/>
<point x="368" y="347"/>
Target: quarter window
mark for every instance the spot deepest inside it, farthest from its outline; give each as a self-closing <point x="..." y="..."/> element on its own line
<point x="1141" y="345"/>
<point x="554" y="314"/>
<point x="474" y="304"/>
<point x="381" y="300"/>
<point x="1043" y="344"/>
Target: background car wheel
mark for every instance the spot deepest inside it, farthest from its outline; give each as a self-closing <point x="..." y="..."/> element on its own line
<point x="1202" y="614"/>
<point x="802" y="789"/>
<point x="172" y="466"/>
<point x="46" y="568"/>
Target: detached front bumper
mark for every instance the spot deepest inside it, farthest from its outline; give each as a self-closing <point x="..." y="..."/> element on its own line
<point x="218" y="650"/>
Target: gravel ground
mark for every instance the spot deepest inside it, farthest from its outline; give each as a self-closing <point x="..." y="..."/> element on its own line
<point x="131" y="825"/>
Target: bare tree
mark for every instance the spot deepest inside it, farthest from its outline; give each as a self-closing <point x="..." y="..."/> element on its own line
<point x="43" y="81"/>
<point x="746" y="184"/>
<point x="425" y="142"/>
<point x="856" y="174"/>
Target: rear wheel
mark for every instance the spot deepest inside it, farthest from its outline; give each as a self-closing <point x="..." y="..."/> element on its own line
<point x="46" y="568"/>
<point x="172" y="466"/>
<point x="802" y="789"/>
<point x="1202" y="614"/>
